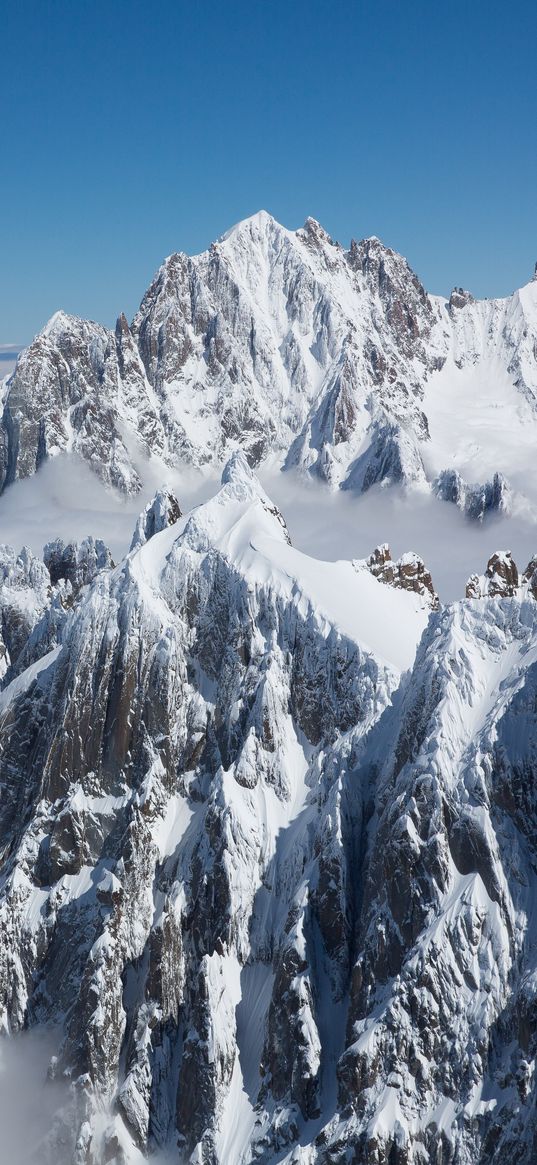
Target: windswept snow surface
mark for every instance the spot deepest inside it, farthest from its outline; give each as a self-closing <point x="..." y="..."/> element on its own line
<point x="480" y="422"/>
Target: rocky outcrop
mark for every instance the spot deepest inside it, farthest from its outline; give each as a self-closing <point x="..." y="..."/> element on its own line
<point x="408" y="573"/>
<point x="163" y="510"/>
<point x="76" y="563"/>
<point x="501" y="578"/>
<point x="502" y="574"/>
<point x="475" y="501"/>
<point x="459" y="298"/>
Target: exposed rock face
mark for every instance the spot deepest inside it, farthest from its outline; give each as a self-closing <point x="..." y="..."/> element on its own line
<point x="412" y="575"/>
<point x="476" y="501"/>
<point x="501" y="578"/>
<point x="459" y="298"/>
<point x="408" y="573"/>
<point x="502" y="574"/>
<point x="76" y="563"/>
<point x="381" y="564"/>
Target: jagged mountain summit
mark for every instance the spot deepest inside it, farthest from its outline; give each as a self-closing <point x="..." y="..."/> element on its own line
<point x="283" y="343"/>
<point x="268" y="842"/>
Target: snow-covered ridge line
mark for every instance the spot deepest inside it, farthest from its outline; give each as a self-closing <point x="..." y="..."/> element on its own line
<point x="242" y="524"/>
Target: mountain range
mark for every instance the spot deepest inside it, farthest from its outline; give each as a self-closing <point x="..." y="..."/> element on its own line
<point x="268" y="831"/>
<point x="335" y="362"/>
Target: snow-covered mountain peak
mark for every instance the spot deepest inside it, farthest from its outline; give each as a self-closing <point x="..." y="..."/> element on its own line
<point x="59" y="322"/>
<point x="254" y="225"/>
<point x="285" y="344"/>
<point x="239" y="514"/>
<point x="62" y="328"/>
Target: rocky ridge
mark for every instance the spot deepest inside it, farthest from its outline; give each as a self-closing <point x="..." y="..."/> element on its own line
<point x="408" y="573"/>
<point x="476" y="501"/>
<point x="501" y="578"/>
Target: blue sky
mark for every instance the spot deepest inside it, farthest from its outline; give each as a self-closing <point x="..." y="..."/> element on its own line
<point x="130" y="130"/>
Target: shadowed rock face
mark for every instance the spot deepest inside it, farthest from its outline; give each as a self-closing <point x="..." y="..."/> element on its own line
<point x="475" y="501"/>
<point x="236" y="848"/>
<point x="76" y="563"/>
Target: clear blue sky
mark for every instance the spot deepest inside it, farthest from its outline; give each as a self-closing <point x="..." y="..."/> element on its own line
<point x="132" y="129"/>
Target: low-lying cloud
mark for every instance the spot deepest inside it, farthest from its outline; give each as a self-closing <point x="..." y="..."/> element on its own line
<point x="67" y="500"/>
